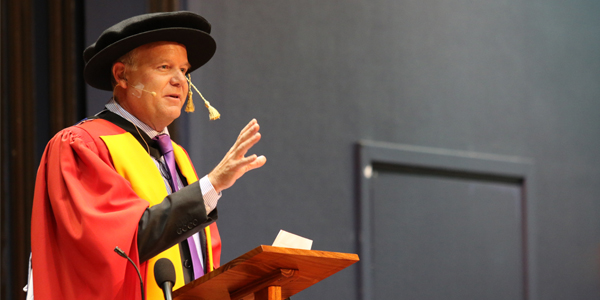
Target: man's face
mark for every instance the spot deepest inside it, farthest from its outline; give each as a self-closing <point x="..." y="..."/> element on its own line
<point x="159" y="68"/>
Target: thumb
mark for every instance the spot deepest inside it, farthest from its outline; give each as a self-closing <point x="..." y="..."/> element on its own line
<point x="257" y="163"/>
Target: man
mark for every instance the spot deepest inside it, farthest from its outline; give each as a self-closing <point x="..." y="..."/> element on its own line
<point x="111" y="181"/>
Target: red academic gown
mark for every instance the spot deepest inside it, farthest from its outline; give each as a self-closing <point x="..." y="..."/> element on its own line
<point x="82" y="209"/>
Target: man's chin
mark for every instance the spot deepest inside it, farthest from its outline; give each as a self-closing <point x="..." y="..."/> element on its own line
<point x="174" y="113"/>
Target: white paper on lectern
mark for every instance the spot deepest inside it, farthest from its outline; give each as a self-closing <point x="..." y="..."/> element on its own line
<point x="290" y="240"/>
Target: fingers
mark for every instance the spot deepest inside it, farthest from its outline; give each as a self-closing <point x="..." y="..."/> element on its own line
<point x="250" y="128"/>
<point x="234" y="165"/>
<point x="248" y="138"/>
<point x="253" y="162"/>
<point x="247" y="144"/>
<point x="249" y="125"/>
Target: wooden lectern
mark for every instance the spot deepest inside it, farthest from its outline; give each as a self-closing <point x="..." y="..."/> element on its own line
<point x="266" y="273"/>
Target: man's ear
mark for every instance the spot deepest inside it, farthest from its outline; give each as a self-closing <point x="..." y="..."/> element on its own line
<point x="118" y="73"/>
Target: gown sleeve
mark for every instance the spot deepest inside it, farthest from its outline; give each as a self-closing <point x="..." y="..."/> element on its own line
<point x="82" y="210"/>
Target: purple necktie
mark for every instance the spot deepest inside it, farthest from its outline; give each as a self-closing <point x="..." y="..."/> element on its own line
<point x="166" y="148"/>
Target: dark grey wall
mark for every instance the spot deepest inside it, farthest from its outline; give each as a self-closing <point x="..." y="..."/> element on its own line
<point x="511" y="78"/>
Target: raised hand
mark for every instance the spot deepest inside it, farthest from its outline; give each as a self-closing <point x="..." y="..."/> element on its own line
<point x="235" y="163"/>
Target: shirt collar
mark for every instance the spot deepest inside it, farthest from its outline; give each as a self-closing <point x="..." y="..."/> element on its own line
<point x="113" y="106"/>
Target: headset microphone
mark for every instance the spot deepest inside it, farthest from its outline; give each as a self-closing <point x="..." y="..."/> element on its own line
<point x="153" y="93"/>
<point x="139" y="88"/>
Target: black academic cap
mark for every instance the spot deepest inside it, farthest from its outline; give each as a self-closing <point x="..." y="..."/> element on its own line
<point x="184" y="27"/>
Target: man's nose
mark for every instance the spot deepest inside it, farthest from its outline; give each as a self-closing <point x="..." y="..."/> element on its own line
<point x="178" y="78"/>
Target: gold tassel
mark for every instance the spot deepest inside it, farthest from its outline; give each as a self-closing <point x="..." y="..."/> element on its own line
<point x="213" y="114"/>
<point x="189" y="107"/>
